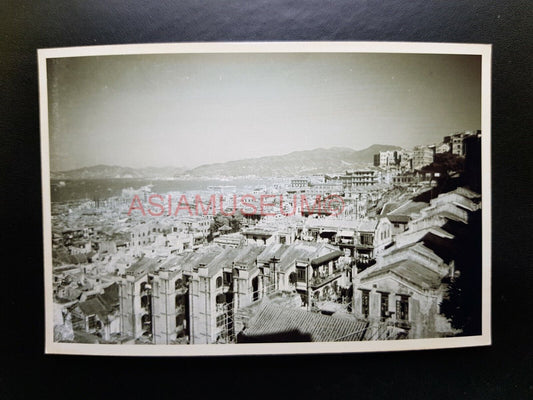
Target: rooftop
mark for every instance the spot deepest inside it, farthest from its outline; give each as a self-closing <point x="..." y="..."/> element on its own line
<point x="292" y="324"/>
<point x="299" y="250"/>
<point x="408" y="208"/>
<point x="143" y="266"/>
<point x="407" y="270"/>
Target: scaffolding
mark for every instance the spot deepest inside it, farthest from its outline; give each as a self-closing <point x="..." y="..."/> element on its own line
<point x="232" y="318"/>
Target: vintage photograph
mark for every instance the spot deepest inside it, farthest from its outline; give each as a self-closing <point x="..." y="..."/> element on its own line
<point x="251" y="198"/>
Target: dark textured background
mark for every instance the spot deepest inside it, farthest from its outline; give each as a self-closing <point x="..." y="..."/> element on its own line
<point x="501" y="371"/>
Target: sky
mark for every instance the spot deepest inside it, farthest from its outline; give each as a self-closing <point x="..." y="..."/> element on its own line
<point x="186" y="110"/>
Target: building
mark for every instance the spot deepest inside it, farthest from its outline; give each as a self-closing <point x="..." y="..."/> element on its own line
<point x="404" y="290"/>
<point x="135" y="299"/>
<point x="325" y="189"/>
<point x="407" y="285"/>
<point x="98" y="313"/>
<point x="224" y="282"/>
<point x="299" y="184"/>
<point x="142" y="235"/>
<point x="316" y="271"/>
<point x="262" y="236"/>
<point x="357" y="178"/>
<point x="422" y="156"/>
<point x="407" y="179"/>
<point x="387" y="158"/>
<point x="456" y="142"/>
<point x="275" y="323"/>
<point x="230" y="240"/>
<point x="372" y="238"/>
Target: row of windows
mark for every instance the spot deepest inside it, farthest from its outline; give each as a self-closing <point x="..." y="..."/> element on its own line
<point x="385" y="234"/>
<point x="402" y="306"/>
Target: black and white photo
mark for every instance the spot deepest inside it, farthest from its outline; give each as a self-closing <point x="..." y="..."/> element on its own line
<point x="258" y="198"/>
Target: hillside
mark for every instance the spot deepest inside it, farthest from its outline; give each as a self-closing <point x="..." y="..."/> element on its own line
<point x="332" y="160"/>
<point x="115" y="171"/>
<point x="317" y="161"/>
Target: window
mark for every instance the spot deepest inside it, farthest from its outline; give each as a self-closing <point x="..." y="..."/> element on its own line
<point x="227" y="278"/>
<point x="384" y="305"/>
<point x="402" y="308"/>
<point x="365" y="303"/>
<point x="179" y="300"/>
<point x="179" y="321"/>
<point x="219" y="281"/>
<point x="91" y="322"/>
<point x="221" y="319"/>
<point x="366" y="239"/>
<point x="301" y="274"/>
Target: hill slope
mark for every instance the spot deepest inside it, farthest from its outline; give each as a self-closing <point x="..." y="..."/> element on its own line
<point x="336" y="159"/>
<point x="307" y="162"/>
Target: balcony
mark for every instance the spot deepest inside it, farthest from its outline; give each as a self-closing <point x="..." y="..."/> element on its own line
<point x="318" y="281"/>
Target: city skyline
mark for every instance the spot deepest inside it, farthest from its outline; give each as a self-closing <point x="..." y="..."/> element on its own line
<point x="186" y="110"/>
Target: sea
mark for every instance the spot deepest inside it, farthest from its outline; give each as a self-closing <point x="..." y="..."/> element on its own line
<point x="101" y="189"/>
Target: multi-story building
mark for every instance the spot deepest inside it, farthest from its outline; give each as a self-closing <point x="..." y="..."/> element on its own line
<point x="404" y="289"/>
<point x="373" y="236"/>
<point x="407" y="285"/>
<point x="422" y="156"/>
<point x="143" y="234"/>
<point x="456" y="142"/>
<point x="299" y="183"/>
<point x="170" y="302"/>
<point x="387" y="158"/>
<point x="220" y="287"/>
<point x="406" y="179"/>
<point x="357" y="178"/>
<point x="316" y="271"/>
<point x="135" y="299"/>
<point x="325" y="189"/>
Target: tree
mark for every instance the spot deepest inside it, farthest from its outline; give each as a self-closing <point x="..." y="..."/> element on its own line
<point x="446" y="164"/>
<point x="462" y="302"/>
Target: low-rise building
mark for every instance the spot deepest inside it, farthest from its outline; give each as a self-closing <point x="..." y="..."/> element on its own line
<point x="404" y="289"/>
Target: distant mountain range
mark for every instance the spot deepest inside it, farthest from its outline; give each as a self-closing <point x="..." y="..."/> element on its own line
<point x="115" y="171"/>
<point x="307" y="162"/>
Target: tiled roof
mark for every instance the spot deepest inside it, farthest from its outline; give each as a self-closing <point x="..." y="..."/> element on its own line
<point x="327" y="257"/>
<point x="466" y="193"/>
<point x="272" y="250"/>
<point x="247" y="255"/>
<point x="300" y="250"/>
<point x="204" y="256"/>
<point x="407" y="270"/>
<point x="409" y="208"/>
<point x="222" y="260"/>
<point x="282" y="321"/>
<point x="143" y="266"/>
<point x="110" y="295"/>
<point x="368" y="226"/>
<point x="388" y="207"/>
<point x="244" y="256"/>
<point x="169" y="263"/>
<point x="97" y="305"/>
<point x="394" y="218"/>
